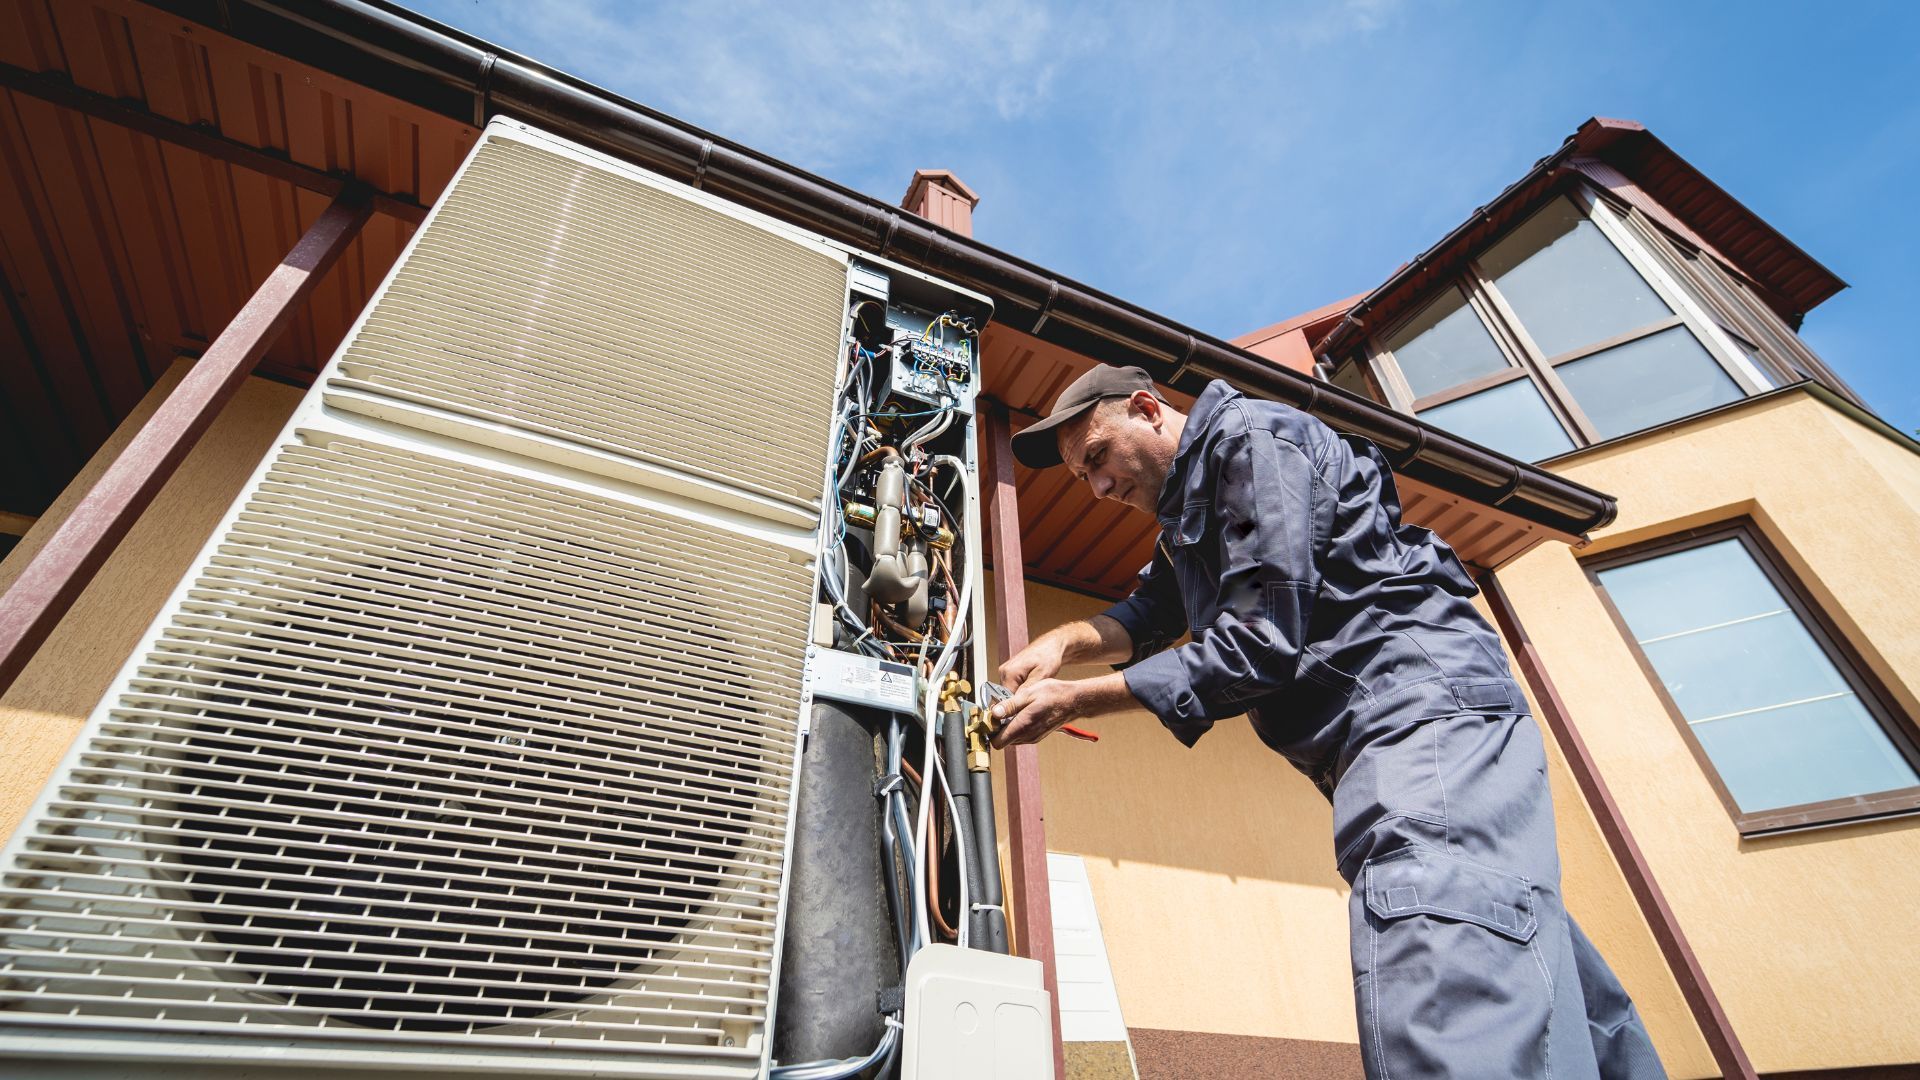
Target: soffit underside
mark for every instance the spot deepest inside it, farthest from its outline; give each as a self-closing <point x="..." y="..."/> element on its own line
<point x="1073" y="540"/>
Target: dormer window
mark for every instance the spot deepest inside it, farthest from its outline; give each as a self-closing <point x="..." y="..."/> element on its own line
<point x="1563" y="333"/>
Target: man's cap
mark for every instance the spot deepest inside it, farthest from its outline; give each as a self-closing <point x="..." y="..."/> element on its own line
<point x="1038" y="447"/>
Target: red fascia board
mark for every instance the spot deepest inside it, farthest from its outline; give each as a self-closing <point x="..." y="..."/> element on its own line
<point x="1306" y="321"/>
<point x="1754" y="247"/>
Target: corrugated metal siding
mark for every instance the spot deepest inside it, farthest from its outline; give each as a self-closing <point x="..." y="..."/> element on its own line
<point x="120" y="251"/>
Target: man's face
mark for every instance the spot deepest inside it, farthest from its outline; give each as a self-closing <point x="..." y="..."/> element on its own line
<point x="1122" y="448"/>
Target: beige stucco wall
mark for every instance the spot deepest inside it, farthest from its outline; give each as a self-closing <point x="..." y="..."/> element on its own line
<point x="43" y="710"/>
<point x="1212" y="868"/>
<point x="1809" y="939"/>
<point x="1213" y="873"/>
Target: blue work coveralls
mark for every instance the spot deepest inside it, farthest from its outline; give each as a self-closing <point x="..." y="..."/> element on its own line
<point x="1351" y="642"/>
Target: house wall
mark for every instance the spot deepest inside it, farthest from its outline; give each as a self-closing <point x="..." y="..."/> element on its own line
<point x="1213" y="873"/>
<point x="45" y="707"/>
<point x="1212" y="868"/>
<point x="1808" y="938"/>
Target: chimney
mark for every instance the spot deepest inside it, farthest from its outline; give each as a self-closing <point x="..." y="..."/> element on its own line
<point x="941" y="198"/>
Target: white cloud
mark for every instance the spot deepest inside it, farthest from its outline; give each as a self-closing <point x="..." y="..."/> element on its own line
<point x="816" y="83"/>
<point x="1345" y="17"/>
<point x="1169" y="153"/>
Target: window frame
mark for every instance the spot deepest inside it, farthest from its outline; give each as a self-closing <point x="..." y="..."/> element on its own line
<point x="1525" y="358"/>
<point x="1737" y="306"/>
<point x="1847" y="660"/>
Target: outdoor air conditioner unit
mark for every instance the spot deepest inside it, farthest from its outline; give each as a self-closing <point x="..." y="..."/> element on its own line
<point x="468" y="743"/>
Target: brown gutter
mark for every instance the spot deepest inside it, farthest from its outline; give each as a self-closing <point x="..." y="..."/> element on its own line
<point x="1687" y="971"/>
<point x="435" y="67"/>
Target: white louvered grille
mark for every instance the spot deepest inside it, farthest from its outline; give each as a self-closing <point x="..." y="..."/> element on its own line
<point x="578" y="303"/>
<point x="431" y="750"/>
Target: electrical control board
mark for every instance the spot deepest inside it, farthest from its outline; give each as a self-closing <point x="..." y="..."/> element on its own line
<point x="934" y="361"/>
<point x="932" y="355"/>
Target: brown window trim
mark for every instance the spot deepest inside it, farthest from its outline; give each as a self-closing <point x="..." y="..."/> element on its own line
<point x="1708" y="315"/>
<point x="1470" y="387"/>
<point x="1733" y="298"/>
<point x="1851" y="665"/>
<point x="1615" y="341"/>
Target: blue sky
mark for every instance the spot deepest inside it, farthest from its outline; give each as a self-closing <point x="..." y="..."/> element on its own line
<point x="1231" y="165"/>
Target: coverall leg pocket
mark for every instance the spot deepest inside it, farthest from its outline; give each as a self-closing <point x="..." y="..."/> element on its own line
<point x="1448" y="981"/>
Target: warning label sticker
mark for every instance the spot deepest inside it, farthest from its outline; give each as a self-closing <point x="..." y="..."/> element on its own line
<point x="861" y="680"/>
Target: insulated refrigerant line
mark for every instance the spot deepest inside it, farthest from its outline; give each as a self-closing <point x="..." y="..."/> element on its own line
<point x="987" y="842"/>
<point x="929" y="705"/>
<point x="960" y="834"/>
<point x="953" y="745"/>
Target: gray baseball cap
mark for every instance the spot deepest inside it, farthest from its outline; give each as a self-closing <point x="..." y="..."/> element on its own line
<point x="1038" y="447"/>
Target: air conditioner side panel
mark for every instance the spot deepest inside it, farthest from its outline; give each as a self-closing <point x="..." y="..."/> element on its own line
<point x="449" y="744"/>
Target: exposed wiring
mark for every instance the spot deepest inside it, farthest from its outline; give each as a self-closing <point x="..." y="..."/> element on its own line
<point x="870" y="421"/>
<point x="944" y="663"/>
<point x="914" y="929"/>
<point x="940" y="923"/>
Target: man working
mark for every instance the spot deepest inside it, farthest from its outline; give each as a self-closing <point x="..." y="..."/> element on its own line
<point x="1351" y="642"/>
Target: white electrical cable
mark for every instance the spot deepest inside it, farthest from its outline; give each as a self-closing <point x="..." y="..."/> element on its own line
<point x="963" y="857"/>
<point x="928" y="713"/>
<point x="847" y="1067"/>
<point x="932" y="429"/>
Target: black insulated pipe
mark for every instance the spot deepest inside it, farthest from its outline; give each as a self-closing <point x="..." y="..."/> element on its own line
<point x="840" y="947"/>
<point x="953" y="758"/>
<point x="391" y="50"/>
<point x="986" y="842"/>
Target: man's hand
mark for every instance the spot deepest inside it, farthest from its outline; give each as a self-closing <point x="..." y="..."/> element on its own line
<point x="1038" y="661"/>
<point x="1043" y="706"/>
<point x="1088" y="641"/>
<point x="1035" y="711"/>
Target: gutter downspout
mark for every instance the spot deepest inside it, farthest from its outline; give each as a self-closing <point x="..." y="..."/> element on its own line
<point x="396" y="52"/>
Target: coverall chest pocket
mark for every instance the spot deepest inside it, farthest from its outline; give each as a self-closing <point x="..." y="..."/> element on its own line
<point x="1195" y="562"/>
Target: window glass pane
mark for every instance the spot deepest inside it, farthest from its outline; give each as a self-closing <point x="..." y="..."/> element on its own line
<point x="1646" y="382"/>
<point x="1445" y="345"/>
<point x="1776" y="658"/>
<point x="1567" y="282"/>
<point x="1511" y="418"/>
<point x="1702" y="586"/>
<point x="1781" y="723"/>
<point x="1803" y="754"/>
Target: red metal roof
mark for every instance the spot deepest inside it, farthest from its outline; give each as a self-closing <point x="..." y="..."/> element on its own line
<point x="121" y="251"/>
<point x="1291" y="342"/>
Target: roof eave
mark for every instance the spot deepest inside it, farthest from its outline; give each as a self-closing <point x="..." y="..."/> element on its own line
<point x="398" y="52"/>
